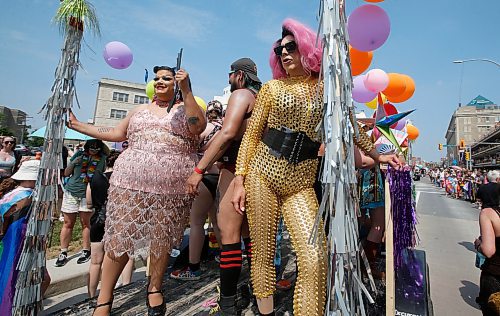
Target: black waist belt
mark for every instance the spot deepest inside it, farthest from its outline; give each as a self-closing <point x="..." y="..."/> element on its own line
<point x="293" y="146"/>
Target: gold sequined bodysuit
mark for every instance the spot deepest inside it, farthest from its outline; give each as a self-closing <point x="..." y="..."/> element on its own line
<point x="274" y="188"/>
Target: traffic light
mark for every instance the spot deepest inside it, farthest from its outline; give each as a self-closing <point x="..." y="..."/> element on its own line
<point x="440" y="146"/>
<point x="462" y="143"/>
<point x="467" y="155"/>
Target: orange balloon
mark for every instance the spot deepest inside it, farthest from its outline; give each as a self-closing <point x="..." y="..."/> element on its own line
<point x="397" y="85"/>
<point x="412" y="132"/>
<point x="409" y="90"/>
<point x="360" y="61"/>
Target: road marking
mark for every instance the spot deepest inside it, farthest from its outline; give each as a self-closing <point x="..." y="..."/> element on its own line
<point x="428" y="192"/>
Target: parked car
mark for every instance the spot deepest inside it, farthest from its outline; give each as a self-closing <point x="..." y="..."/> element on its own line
<point x="22" y="150"/>
<point x="34" y="150"/>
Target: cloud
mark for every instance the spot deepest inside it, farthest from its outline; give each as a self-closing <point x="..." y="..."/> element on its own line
<point x="24" y="44"/>
<point x="268" y="24"/>
<point x="174" y="21"/>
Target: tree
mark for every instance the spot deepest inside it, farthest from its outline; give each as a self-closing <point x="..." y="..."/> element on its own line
<point x="34" y="141"/>
<point x="4" y="130"/>
<point x="72" y="17"/>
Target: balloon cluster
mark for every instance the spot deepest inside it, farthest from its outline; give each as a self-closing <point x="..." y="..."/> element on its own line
<point x="369" y="27"/>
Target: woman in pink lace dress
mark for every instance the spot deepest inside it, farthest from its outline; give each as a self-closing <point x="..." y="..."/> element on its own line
<point x="148" y="207"/>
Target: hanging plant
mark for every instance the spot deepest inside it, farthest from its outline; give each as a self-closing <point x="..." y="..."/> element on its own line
<point x="77" y="14"/>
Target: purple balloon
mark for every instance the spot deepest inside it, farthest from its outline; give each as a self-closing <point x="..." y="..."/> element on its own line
<point x="117" y="55"/>
<point x="368" y="27"/>
<point x="400" y="125"/>
<point x="359" y="92"/>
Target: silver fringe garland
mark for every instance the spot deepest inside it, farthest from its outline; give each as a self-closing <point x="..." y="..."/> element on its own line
<point x="340" y="205"/>
<point x="31" y="266"/>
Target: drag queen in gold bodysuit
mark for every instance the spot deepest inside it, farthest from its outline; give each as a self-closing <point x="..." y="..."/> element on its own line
<point x="276" y="170"/>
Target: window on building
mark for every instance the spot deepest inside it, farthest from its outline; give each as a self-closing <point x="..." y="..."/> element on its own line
<point x="118" y="96"/>
<point x="118" y="114"/>
<point x="139" y="99"/>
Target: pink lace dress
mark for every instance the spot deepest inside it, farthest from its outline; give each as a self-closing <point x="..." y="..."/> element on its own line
<point x="148" y="207"/>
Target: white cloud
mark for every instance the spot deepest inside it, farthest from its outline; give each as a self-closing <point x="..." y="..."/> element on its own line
<point x="267" y="23"/>
<point x="174" y="21"/>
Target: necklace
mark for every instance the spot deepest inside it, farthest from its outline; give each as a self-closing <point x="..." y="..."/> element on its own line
<point x="162" y="103"/>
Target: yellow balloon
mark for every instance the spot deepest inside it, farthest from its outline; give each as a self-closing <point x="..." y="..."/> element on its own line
<point x="201" y="103"/>
<point x="150" y="89"/>
<point x="373" y="103"/>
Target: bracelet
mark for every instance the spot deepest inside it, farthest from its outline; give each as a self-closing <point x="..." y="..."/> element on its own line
<point x="198" y="170"/>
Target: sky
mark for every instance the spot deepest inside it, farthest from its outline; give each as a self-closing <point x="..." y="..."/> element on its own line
<point x="426" y="36"/>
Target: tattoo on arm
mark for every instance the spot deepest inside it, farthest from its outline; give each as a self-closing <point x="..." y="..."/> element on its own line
<point x="193" y="120"/>
<point x="104" y="129"/>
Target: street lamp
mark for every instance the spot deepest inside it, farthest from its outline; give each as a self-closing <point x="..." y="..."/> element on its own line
<point x="476" y="59"/>
<point x="462" y="73"/>
<point x="23" y="127"/>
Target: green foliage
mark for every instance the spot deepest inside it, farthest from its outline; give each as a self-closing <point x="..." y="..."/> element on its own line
<point x="77" y="10"/>
<point x="34" y="141"/>
<point x="4" y="131"/>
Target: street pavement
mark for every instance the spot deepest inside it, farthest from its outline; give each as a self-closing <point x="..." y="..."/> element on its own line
<point x="447" y="229"/>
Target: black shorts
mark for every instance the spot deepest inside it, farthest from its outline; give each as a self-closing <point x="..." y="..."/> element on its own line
<point x="211" y="180"/>
<point x="96" y="232"/>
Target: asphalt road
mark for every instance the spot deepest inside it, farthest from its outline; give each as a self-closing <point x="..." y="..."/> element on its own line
<point x="447" y="229"/>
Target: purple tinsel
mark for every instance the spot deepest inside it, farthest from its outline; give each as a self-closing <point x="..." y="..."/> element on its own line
<point x="403" y="212"/>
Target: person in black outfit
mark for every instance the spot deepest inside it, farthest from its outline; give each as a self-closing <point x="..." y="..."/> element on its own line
<point x="97" y="197"/>
<point x="489" y="242"/>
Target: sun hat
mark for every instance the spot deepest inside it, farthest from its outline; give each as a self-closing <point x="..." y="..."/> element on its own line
<point x="27" y="171"/>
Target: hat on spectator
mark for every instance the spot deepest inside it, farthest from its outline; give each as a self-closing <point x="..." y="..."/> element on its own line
<point x="27" y="171"/>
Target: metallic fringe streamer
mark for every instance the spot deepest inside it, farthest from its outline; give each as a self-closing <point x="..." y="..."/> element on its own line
<point x="403" y="213"/>
<point x="340" y="205"/>
<point x="31" y="266"/>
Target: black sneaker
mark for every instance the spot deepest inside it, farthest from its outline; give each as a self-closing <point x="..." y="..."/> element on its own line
<point x="84" y="257"/>
<point x="61" y="259"/>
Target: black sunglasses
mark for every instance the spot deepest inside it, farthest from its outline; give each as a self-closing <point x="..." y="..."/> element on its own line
<point x="8" y="142"/>
<point x="164" y="78"/>
<point x="290" y="48"/>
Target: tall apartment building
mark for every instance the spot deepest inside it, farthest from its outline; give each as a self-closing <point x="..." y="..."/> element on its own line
<point x="115" y="98"/>
<point x="470" y="123"/>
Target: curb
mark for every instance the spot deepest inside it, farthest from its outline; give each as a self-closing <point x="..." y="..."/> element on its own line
<point x="73" y="282"/>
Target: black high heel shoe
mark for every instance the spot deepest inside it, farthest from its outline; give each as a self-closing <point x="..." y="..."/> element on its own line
<point x="110" y="304"/>
<point x="158" y="310"/>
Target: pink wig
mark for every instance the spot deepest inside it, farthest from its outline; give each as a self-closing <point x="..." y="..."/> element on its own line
<point x="306" y="42"/>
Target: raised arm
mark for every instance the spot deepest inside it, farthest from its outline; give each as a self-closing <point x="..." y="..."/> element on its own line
<point x="196" y="118"/>
<point x="110" y="134"/>
<point x="237" y="106"/>
<point x="255" y="128"/>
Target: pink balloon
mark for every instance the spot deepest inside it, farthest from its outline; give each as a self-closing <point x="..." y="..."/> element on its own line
<point x="117" y="55"/>
<point x="376" y="80"/>
<point x="359" y="92"/>
<point x="376" y="133"/>
<point x="368" y="27"/>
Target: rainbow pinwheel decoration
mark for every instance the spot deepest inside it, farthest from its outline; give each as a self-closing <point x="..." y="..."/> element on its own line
<point x="383" y="124"/>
